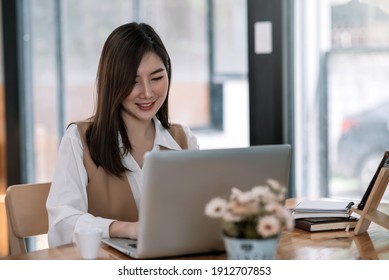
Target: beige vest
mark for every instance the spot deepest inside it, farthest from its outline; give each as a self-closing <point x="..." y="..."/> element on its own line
<point x="110" y="196"/>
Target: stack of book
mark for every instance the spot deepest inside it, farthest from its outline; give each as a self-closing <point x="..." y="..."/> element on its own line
<point x="321" y="215"/>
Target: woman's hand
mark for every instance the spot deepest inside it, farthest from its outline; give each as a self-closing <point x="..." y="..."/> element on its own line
<point x="123" y="230"/>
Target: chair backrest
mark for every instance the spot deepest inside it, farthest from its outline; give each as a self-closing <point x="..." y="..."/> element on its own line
<point x="26" y="213"/>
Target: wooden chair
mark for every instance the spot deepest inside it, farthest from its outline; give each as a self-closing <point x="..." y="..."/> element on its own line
<point x="26" y="213"/>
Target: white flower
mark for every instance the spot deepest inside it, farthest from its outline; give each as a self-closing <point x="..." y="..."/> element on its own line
<point x="216" y="207"/>
<point x="242" y="197"/>
<point x="268" y="226"/>
<point x="275" y="185"/>
<point x="243" y="209"/>
<point x="229" y="217"/>
<point x="289" y="221"/>
<point x="257" y="213"/>
<point x="235" y="193"/>
<point x="260" y="191"/>
<point x="282" y="214"/>
<point x="265" y="194"/>
<point x="277" y="188"/>
<point x="274" y="208"/>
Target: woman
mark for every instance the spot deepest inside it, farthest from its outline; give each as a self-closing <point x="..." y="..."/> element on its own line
<point x="98" y="177"/>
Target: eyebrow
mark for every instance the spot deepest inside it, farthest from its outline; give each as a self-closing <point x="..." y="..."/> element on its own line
<point x="155" y="71"/>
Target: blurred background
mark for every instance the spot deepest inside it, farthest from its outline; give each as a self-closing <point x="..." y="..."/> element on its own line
<point x="328" y="67"/>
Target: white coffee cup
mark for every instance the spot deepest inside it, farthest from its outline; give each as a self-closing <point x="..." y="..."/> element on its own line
<point x="88" y="242"/>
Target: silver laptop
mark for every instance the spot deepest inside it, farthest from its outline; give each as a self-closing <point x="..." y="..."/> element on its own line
<point x="178" y="185"/>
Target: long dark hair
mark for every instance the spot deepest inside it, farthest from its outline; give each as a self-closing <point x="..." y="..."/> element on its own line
<point x="119" y="62"/>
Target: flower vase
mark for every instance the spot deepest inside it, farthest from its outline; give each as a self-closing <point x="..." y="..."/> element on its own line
<point x="251" y="249"/>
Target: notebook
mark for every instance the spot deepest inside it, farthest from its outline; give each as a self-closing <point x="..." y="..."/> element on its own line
<point x="326" y="223"/>
<point x="322" y="205"/>
<point x="178" y="185"/>
<point x="311" y="208"/>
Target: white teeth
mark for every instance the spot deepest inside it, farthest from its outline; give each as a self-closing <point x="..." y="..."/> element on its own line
<point x="145" y="105"/>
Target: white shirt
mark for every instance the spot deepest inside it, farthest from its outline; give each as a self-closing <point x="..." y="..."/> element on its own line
<point x="67" y="204"/>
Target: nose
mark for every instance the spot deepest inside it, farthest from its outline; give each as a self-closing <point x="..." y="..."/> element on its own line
<point x="146" y="90"/>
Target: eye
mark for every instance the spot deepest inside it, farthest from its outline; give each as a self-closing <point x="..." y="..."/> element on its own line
<point x="157" y="78"/>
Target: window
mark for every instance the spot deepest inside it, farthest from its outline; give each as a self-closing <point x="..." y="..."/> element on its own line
<point x="62" y="41"/>
<point x="341" y="70"/>
<point x="358" y="106"/>
<point x="2" y="120"/>
<point x="65" y="38"/>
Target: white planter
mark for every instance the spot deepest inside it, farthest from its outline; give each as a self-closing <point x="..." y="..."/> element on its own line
<point x="251" y="249"/>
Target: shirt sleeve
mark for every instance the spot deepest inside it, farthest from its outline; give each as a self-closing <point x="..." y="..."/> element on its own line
<point x="67" y="203"/>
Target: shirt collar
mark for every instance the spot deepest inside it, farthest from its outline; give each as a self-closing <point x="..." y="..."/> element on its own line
<point x="163" y="137"/>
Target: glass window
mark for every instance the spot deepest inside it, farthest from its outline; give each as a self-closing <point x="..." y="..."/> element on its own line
<point x="64" y="40"/>
<point x="2" y="118"/>
<point x="44" y="91"/>
<point x="342" y="76"/>
<point x="183" y="26"/>
<point x="358" y="106"/>
<point x="228" y="70"/>
<point x="230" y="37"/>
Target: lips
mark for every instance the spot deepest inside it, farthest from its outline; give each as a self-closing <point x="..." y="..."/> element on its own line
<point x="145" y="106"/>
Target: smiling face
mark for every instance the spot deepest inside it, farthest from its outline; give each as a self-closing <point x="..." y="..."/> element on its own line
<point x="149" y="91"/>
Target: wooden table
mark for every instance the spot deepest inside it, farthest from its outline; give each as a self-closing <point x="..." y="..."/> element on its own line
<point x="334" y="245"/>
<point x="294" y="245"/>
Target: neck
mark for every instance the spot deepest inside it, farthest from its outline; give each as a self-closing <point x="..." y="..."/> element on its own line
<point x="139" y="131"/>
<point x="141" y="135"/>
